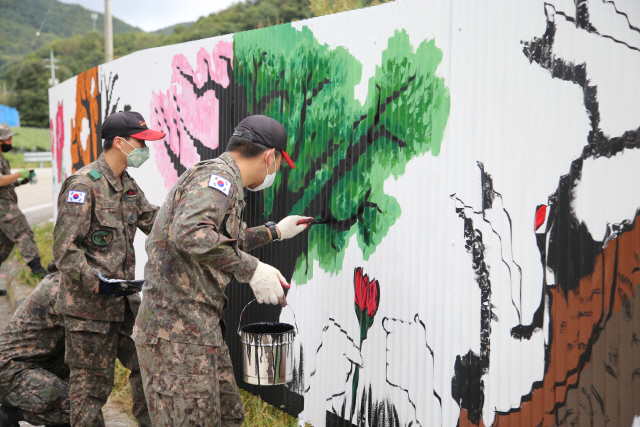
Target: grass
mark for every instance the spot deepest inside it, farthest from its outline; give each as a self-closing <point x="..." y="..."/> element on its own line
<point x="44" y="239"/>
<point x="121" y="392"/>
<point x="16" y="160"/>
<point x="260" y="413"/>
<point x="257" y="411"/>
<point x="28" y="139"/>
<point x="31" y="139"/>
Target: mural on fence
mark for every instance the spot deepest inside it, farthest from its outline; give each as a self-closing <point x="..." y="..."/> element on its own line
<point x="422" y="395"/>
<point x="342" y="390"/>
<point x="184" y="113"/>
<point x="590" y="275"/>
<point x="86" y="144"/>
<point x="334" y="141"/>
<point x="57" y="142"/>
<point x="353" y="370"/>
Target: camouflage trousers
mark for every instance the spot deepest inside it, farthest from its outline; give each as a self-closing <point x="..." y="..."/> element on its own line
<point x="91" y="351"/>
<point x="33" y="375"/>
<point x="190" y="385"/>
<point x="15" y="230"/>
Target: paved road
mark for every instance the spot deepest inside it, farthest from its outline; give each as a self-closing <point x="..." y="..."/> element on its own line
<point x="36" y="200"/>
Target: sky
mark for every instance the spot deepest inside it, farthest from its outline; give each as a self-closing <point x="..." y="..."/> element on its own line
<point x="151" y="15"/>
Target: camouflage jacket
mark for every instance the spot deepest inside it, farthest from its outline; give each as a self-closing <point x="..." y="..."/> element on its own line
<point x="97" y="220"/>
<point x="8" y="192"/>
<point x="196" y="247"/>
<point x="29" y="341"/>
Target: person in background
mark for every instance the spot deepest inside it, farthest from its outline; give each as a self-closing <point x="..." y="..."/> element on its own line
<point x="14" y="228"/>
<point x="100" y="207"/>
<point x="34" y="380"/>
<point x="197" y="245"/>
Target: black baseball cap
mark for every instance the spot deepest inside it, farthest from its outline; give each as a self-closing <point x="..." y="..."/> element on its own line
<point x="129" y="123"/>
<point x="265" y="131"/>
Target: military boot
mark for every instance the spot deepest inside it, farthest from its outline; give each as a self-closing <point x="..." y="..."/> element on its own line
<point x="10" y="416"/>
<point x="36" y="268"/>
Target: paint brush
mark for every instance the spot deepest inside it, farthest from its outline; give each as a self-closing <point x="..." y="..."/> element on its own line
<point x="313" y="221"/>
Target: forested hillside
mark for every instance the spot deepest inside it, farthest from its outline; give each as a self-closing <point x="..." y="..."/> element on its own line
<point x="21" y="19"/>
<point x="68" y="31"/>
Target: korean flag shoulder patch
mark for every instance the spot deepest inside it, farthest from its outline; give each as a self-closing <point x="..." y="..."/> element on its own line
<point x="76" y="197"/>
<point x="220" y="184"/>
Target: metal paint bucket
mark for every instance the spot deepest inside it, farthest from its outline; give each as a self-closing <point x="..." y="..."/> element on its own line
<point x="267" y="350"/>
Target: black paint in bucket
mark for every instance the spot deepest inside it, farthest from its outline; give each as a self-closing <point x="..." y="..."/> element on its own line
<point x="267" y="328"/>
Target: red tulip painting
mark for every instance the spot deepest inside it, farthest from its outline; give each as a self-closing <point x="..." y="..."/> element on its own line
<point x="367" y="301"/>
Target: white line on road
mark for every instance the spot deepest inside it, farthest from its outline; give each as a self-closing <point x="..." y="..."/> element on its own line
<point x="36" y="208"/>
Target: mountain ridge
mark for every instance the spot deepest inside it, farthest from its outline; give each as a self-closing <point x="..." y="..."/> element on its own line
<point x="21" y="19"/>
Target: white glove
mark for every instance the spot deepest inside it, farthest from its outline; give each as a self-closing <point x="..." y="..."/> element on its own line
<point x="289" y="226"/>
<point x="267" y="284"/>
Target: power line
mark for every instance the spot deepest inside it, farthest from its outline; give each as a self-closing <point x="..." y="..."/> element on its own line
<point x="31" y="48"/>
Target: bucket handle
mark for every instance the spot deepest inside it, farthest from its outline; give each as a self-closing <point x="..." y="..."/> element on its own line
<point x="288" y="305"/>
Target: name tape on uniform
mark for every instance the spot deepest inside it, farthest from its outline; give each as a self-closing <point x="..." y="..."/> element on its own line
<point x="76" y="197"/>
<point x="220" y="184"/>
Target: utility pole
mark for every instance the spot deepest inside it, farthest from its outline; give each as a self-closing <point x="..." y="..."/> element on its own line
<point x="52" y="81"/>
<point x="94" y="18"/>
<point x="108" y="32"/>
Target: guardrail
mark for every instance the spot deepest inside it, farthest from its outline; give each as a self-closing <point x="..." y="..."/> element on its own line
<point x="40" y="157"/>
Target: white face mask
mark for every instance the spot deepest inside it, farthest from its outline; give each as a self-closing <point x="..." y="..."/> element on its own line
<point x="268" y="180"/>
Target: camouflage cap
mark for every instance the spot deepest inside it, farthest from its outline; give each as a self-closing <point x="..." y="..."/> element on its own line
<point x="5" y="132"/>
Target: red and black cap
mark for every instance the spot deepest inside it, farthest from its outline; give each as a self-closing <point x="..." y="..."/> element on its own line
<point x="265" y="131"/>
<point x="128" y="123"/>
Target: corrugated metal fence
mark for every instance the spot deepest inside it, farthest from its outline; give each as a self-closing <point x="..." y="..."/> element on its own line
<point x="478" y="164"/>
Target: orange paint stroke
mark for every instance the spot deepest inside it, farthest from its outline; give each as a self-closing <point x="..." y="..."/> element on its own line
<point x="87" y="107"/>
<point x="576" y="322"/>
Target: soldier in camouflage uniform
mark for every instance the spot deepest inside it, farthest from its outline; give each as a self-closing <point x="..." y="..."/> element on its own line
<point x="14" y="229"/>
<point x="33" y="376"/>
<point x="197" y="245"/>
<point x="100" y="207"/>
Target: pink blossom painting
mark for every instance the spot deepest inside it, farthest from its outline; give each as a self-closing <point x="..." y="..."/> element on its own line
<point x="188" y="112"/>
<point x="57" y="140"/>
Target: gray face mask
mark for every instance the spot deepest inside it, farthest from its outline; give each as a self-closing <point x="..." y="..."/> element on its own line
<point x="268" y="180"/>
<point x="137" y="157"/>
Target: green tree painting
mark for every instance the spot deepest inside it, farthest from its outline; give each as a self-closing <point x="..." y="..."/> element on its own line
<point x="343" y="150"/>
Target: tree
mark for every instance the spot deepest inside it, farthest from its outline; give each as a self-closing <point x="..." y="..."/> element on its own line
<point x="335" y="141"/>
<point x="30" y="94"/>
<point x="326" y="7"/>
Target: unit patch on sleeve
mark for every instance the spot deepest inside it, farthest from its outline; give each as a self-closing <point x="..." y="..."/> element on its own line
<point x="220" y="184"/>
<point x="76" y="197"/>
